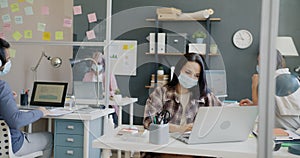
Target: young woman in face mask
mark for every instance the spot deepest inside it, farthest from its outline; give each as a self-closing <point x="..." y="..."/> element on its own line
<point x="183" y="95"/>
<point x="91" y="76"/>
<point x="21" y="143"/>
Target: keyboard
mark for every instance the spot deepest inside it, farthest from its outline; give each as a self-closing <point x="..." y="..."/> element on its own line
<point x="86" y="110"/>
<point x="59" y="112"/>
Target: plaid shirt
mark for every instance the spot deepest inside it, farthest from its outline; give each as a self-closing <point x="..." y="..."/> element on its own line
<point x="164" y="98"/>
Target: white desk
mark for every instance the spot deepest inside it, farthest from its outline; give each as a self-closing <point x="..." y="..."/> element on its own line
<point x="246" y="149"/>
<point x="89" y="123"/>
<point x="121" y="103"/>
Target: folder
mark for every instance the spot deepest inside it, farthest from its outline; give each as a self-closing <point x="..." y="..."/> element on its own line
<point x="161" y="46"/>
<point x="152" y="43"/>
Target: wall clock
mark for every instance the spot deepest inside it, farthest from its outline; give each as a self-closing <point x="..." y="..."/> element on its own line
<point x="242" y="39"/>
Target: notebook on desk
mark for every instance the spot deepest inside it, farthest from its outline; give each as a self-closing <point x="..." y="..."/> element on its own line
<point x="50" y="95"/>
<point x="220" y="124"/>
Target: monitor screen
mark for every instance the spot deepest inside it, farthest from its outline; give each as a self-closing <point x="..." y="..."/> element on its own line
<point x="49" y="94"/>
<point x="216" y="82"/>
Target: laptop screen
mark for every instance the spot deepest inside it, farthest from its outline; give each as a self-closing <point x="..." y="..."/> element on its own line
<point x="49" y="94"/>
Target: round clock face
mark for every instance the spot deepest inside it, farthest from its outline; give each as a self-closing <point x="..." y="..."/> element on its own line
<point x="242" y="39"/>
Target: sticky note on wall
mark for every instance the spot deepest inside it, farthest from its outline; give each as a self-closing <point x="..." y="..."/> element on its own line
<point x="90" y="34"/>
<point x="3" y="3"/>
<point x="41" y="27"/>
<point x="46" y="36"/>
<point x="14" y="7"/>
<point x="77" y="10"/>
<point x="68" y="22"/>
<point x="17" y="35"/>
<point x="59" y="35"/>
<point x="28" y="34"/>
<point x="92" y="17"/>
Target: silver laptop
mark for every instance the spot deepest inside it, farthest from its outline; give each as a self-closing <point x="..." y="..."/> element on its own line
<point x="87" y="90"/>
<point x="220" y="124"/>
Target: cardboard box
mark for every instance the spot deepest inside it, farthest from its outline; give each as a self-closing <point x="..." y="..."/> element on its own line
<point x="197" y="48"/>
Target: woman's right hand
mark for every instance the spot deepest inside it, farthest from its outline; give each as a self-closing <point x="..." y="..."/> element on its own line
<point x="246" y="102"/>
<point x="177" y="128"/>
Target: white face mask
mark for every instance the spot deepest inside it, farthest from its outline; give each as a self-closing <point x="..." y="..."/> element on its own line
<point x="6" y="69"/>
<point x="257" y="68"/>
<point x="186" y="81"/>
<point x="94" y="67"/>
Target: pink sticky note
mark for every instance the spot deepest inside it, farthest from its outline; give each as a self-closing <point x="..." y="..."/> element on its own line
<point x="90" y="34"/>
<point x="45" y="10"/>
<point x="77" y="10"/>
<point x="92" y="17"/>
<point x="7" y="27"/>
<point x="2" y="35"/>
<point x="67" y="22"/>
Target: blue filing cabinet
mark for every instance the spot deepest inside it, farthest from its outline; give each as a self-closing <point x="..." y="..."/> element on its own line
<point x="69" y="137"/>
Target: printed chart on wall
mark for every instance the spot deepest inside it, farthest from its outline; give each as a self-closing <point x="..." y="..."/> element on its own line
<point x="123" y="57"/>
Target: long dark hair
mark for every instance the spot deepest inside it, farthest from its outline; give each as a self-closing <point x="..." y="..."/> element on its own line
<point x="200" y="90"/>
<point x="3" y="44"/>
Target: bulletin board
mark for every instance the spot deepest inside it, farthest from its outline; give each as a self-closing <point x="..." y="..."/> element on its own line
<point x="123" y="57"/>
<point x="36" y="20"/>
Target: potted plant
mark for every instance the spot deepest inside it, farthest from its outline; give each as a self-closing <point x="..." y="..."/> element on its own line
<point x="160" y="71"/>
<point x="213" y="48"/>
<point x="199" y="36"/>
<point x="118" y="95"/>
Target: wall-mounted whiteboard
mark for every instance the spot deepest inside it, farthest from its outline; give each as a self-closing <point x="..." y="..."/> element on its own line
<point x="123" y="57"/>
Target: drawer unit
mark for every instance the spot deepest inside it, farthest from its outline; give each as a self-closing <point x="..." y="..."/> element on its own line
<point x="69" y="126"/>
<point x="68" y="152"/>
<point x="69" y="140"/>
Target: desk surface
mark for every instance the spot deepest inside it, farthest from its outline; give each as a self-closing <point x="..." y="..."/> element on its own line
<point x="246" y="149"/>
<point x="97" y="113"/>
<point x="122" y="102"/>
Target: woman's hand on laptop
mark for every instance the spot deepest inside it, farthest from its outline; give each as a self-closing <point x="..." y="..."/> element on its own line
<point x="246" y="102"/>
<point x="44" y="110"/>
<point x="181" y="129"/>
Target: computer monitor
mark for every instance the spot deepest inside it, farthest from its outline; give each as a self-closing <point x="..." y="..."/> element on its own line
<point x="51" y="94"/>
<point x="87" y="90"/>
<point x="216" y="82"/>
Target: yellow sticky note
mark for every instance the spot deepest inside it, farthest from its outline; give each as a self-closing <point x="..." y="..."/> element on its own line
<point x="27" y="34"/>
<point x="125" y="47"/>
<point x="59" y="35"/>
<point x="46" y="36"/>
<point x="17" y="35"/>
<point x="21" y="1"/>
<point x="14" y="7"/>
<point x="131" y="47"/>
<point x="12" y="52"/>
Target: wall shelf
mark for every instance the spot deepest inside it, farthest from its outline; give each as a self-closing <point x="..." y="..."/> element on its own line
<point x="177" y="54"/>
<point x="187" y="19"/>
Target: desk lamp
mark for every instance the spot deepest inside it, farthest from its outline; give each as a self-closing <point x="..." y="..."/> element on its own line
<point x="55" y="62"/>
<point x="72" y="62"/>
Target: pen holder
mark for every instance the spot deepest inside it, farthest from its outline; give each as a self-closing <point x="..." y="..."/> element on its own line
<point x="159" y="133"/>
<point x="24" y="99"/>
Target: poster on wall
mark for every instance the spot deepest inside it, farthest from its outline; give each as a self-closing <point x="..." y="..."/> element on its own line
<point x="123" y="57"/>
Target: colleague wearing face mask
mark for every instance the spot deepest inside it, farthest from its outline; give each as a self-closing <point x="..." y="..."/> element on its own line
<point x="182" y="96"/>
<point x="287" y="97"/>
<point x="21" y="143"/>
<point x="91" y="76"/>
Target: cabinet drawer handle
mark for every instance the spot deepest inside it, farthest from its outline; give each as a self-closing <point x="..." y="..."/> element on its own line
<point x="70" y="140"/>
<point x="70" y="127"/>
<point x="70" y="152"/>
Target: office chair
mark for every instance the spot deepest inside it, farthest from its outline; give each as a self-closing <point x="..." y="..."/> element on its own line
<point x="6" y="146"/>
